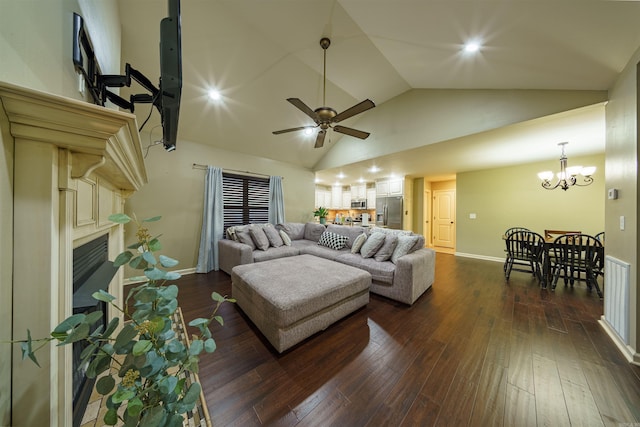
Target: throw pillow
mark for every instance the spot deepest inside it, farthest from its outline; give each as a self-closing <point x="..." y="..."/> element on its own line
<point x="285" y="238"/>
<point x="386" y="250"/>
<point x="332" y="240"/>
<point x="371" y="246"/>
<point x="272" y="234"/>
<point x="259" y="238"/>
<point x="404" y="246"/>
<point x="243" y="236"/>
<point x="358" y="242"/>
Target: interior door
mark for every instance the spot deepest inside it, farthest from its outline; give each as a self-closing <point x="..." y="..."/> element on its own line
<point x="444" y="215"/>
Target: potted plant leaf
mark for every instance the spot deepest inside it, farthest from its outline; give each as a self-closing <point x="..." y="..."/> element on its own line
<point x="322" y="213"/>
<point x="146" y="354"/>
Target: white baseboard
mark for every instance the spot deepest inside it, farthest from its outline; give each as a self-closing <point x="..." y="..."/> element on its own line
<point x="629" y="353"/>
<point x="483" y="257"/>
<point x="141" y="279"/>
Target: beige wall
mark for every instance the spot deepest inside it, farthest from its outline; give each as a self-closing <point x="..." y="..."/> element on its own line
<point x="399" y="124"/>
<point x="622" y="173"/>
<point x="176" y="190"/>
<point x="512" y="196"/>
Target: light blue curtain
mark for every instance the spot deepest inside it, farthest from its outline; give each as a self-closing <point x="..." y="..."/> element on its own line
<point x="212" y="222"/>
<point x="276" y="200"/>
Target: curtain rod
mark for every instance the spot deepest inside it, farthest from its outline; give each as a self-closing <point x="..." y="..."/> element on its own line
<point x="197" y="166"/>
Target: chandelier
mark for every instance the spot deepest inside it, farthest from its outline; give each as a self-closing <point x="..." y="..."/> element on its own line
<point x="568" y="176"/>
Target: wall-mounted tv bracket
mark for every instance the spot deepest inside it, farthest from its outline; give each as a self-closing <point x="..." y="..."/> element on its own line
<point x="85" y="63"/>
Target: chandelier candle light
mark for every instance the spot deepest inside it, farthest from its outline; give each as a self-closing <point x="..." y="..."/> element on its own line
<point x="567" y="177"/>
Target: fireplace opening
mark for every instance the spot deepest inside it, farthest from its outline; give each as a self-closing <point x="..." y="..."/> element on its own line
<point x="92" y="271"/>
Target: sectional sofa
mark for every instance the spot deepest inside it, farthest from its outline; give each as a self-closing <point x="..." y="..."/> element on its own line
<point x="401" y="267"/>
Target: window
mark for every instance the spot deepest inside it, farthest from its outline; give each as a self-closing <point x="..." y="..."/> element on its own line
<point x="245" y="199"/>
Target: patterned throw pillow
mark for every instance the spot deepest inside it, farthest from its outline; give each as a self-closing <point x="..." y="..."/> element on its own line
<point x="333" y="240"/>
<point x="358" y="242"/>
<point x="371" y="246"/>
<point x="285" y="238"/>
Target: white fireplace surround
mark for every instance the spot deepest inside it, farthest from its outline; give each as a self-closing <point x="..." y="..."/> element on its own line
<point x="74" y="164"/>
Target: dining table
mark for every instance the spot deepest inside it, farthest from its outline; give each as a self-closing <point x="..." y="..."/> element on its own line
<point x="547" y="256"/>
<point x="547" y="261"/>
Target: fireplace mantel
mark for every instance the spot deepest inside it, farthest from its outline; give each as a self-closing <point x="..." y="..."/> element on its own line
<point x="74" y="164"/>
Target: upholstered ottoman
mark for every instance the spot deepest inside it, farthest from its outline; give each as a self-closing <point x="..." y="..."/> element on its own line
<point x="292" y="298"/>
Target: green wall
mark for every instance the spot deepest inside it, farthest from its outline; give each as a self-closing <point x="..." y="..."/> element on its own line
<point x="512" y="196"/>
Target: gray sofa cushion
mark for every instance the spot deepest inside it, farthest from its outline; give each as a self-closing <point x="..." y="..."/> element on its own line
<point x="274" y="253"/>
<point x="313" y="231"/>
<point x="322" y="251"/>
<point x="381" y="272"/>
<point x="295" y="230"/>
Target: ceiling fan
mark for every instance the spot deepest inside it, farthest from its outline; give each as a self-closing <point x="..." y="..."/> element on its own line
<point x="326" y="117"/>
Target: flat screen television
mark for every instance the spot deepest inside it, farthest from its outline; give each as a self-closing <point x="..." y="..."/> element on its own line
<point x="170" y="75"/>
<point x="165" y="97"/>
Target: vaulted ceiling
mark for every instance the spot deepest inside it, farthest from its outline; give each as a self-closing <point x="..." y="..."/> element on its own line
<point x="258" y="53"/>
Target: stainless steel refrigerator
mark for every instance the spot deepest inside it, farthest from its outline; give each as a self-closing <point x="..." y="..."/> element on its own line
<point x="389" y="212"/>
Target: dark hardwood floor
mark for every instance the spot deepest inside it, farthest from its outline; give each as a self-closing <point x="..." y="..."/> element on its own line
<point x="472" y="351"/>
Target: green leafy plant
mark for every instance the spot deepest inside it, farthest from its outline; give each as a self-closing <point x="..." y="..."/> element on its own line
<point x="146" y="353"/>
<point x="321" y="212"/>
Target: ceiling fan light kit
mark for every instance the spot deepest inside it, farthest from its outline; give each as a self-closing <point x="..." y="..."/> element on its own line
<point x="326" y="117"/>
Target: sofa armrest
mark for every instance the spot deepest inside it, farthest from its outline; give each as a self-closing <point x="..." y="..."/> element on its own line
<point x="232" y="253"/>
<point x="415" y="273"/>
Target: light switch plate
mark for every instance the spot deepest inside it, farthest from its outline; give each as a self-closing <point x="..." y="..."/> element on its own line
<point x="472" y="216"/>
<point x="622" y="223"/>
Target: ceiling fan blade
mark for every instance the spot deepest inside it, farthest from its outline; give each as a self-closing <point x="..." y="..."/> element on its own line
<point x="304" y="108"/>
<point x="365" y="105"/>
<point x="351" y="132"/>
<point x="278" y="132"/>
<point x="320" y="138"/>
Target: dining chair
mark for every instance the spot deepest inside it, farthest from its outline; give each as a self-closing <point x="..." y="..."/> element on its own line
<point x="577" y="257"/>
<point x="600" y="237"/>
<point x="550" y="235"/>
<point x="506" y="234"/>
<point x="525" y="252"/>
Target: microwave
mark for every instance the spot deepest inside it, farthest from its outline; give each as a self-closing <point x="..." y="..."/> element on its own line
<point x="358" y="204"/>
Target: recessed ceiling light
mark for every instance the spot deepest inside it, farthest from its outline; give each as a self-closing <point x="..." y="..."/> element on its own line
<point x="472" y="47"/>
<point x="214" y="95"/>
<point x="374" y="169"/>
<point x="340" y="175"/>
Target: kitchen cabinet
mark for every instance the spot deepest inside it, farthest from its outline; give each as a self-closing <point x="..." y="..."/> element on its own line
<point x="371" y="198"/>
<point x="359" y="192"/>
<point x="346" y="200"/>
<point x="391" y="187"/>
<point x="336" y="197"/>
<point x="323" y="197"/>
<point x="382" y="188"/>
<point x="395" y="187"/>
